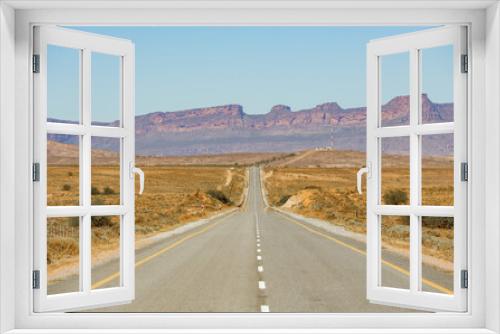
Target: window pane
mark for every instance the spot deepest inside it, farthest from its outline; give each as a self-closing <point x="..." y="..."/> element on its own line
<point x="105" y="171"/>
<point x="106" y="89"/>
<point x="437" y="84"/>
<point x="437" y="254"/>
<point x="63" y="84"/>
<point x="395" y="241"/>
<point x="395" y="175"/>
<point x="63" y="255"/>
<point x="395" y="89"/>
<point x="63" y="170"/>
<point x="105" y="251"/>
<point x="437" y="169"/>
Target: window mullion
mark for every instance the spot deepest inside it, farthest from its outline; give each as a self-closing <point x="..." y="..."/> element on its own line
<point x="86" y="232"/>
<point x="414" y="171"/>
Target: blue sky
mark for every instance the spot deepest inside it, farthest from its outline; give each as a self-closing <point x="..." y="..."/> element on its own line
<point x="258" y="67"/>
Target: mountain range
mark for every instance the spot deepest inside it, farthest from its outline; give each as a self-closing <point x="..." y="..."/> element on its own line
<point x="228" y="129"/>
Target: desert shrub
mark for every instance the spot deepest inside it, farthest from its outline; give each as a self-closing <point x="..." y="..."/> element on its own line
<point x="59" y="248"/>
<point x="317" y="206"/>
<point x="94" y="191"/>
<point x="66" y="187"/>
<point x="98" y="201"/>
<point x="101" y="221"/>
<point x="70" y="173"/>
<point x="398" y="232"/>
<point x="108" y="191"/>
<point x="331" y="215"/>
<point x="395" y="197"/>
<point x="437" y="222"/>
<point x="311" y="187"/>
<point x="283" y="199"/>
<point x="219" y="195"/>
<point x="438" y="246"/>
<point x="74" y="222"/>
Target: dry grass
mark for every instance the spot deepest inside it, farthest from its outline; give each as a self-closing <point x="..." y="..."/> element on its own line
<point x="229" y="159"/>
<point x="173" y="196"/>
<point x="330" y="194"/>
<point x="179" y="194"/>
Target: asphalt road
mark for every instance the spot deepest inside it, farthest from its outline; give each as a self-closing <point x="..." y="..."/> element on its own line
<point x="253" y="260"/>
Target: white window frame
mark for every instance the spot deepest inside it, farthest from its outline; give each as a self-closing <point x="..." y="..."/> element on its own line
<point x="483" y="18"/>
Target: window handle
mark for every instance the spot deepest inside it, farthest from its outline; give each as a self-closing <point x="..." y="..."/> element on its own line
<point x="138" y="171"/>
<point x="365" y="170"/>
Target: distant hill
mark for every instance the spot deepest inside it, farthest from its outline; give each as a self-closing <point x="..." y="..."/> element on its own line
<point x="228" y="129"/>
<point x="68" y="154"/>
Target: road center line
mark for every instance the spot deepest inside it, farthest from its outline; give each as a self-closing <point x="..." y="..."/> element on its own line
<point x="264" y="308"/>
<point x="259" y="258"/>
<point x="260" y="269"/>
<point x="262" y="285"/>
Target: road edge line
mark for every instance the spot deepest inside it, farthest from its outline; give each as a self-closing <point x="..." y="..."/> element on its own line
<point x="393" y="266"/>
<point x="148" y="258"/>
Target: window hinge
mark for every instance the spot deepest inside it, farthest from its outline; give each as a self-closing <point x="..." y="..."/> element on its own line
<point x="464" y="279"/>
<point x="36" y="172"/>
<point x="465" y="64"/>
<point x="36" y="279"/>
<point x="36" y="63"/>
<point x="464" y="171"/>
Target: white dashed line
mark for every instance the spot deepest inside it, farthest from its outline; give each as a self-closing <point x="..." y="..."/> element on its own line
<point x="259" y="258"/>
<point x="264" y="308"/>
<point x="262" y="285"/>
<point x="258" y="245"/>
<point x="258" y="250"/>
<point x="260" y="269"/>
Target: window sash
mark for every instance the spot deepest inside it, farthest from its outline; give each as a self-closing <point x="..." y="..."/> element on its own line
<point x="414" y="297"/>
<point x="86" y="297"/>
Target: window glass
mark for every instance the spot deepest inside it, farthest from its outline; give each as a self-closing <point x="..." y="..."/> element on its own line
<point x="63" y="255"/>
<point x="106" y="89"/>
<point x="395" y="251"/>
<point x="105" y="251"/>
<point x="63" y="170"/>
<point x="437" y="169"/>
<point x="437" y="254"/>
<point x="105" y="189"/>
<point x="395" y="89"/>
<point x="395" y="174"/>
<point x="436" y="84"/>
<point x="63" y="84"/>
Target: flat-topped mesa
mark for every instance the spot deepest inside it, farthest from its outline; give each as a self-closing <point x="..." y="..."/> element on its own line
<point x="397" y="111"/>
<point x="328" y="107"/>
<point x="225" y="116"/>
<point x="227" y="128"/>
<point x="398" y="102"/>
<point x="436" y="112"/>
<point x="280" y="109"/>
